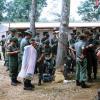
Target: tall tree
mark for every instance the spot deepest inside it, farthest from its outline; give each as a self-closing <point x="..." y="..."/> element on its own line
<point x="63" y="35"/>
<point x="20" y="9"/>
<point x="33" y="17"/>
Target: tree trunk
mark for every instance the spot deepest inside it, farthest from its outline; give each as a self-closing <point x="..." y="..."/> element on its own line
<point x="32" y="17"/>
<point x="63" y="33"/>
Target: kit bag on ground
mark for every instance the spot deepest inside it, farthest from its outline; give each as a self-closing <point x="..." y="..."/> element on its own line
<point x="47" y="77"/>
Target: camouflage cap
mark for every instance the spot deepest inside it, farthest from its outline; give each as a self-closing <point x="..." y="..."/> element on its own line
<point x="19" y="33"/>
<point x="28" y="31"/>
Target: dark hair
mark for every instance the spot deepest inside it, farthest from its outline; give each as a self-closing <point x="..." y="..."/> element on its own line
<point x="3" y="36"/>
<point x="44" y="33"/>
<point x="88" y="33"/>
<point x="82" y="37"/>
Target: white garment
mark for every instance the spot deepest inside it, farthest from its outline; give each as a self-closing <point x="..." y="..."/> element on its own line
<point x="28" y="62"/>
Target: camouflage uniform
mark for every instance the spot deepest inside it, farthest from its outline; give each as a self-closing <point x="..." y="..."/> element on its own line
<point x="13" y="61"/>
<point x="6" y="46"/>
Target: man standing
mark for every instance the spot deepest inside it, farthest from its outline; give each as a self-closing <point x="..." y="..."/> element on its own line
<point x="54" y="43"/>
<point x="81" y="62"/>
<point x="11" y="35"/>
<point x="24" y="42"/>
<point x="28" y="65"/>
<point x="12" y="52"/>
<point x="91" y="56"/>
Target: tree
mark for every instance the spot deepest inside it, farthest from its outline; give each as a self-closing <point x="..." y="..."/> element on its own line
<point x="33" y="17"/>
<point x="63" y="35"/>
<point x="19" y="10"/>
<point x="89" y="11"/>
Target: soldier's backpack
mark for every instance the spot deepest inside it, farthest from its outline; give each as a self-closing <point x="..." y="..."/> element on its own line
<point x="47" y="77"/>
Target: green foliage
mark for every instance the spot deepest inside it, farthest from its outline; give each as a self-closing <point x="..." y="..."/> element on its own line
<point x="88" y="11"/>
<point x="2" y="7"/>
<point x="19" y="10"/>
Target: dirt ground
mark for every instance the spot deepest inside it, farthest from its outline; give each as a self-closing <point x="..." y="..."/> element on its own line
<point x="48" y="91"/>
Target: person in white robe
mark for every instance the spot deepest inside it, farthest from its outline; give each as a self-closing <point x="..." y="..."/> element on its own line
<point x="28" y="65"/>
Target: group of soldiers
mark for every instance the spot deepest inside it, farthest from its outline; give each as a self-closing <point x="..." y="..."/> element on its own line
<point x="13" y="49"/>
<point x="80" y="55"/>
<point x="86" y="48"/>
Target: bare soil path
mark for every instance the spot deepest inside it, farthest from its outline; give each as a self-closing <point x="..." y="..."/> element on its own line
<point x="48" y="91"/>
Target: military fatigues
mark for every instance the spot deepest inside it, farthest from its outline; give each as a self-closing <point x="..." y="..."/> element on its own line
<point x="81" y="64"/>
<point x="91" y="59"/>
<point x="13" y="62"/>
<point x="54" y="43"/>
<point x="73" y="60"/>
<point x="67" y="59"/>
<point x="40" y="61"/>
<point x="19" y="54"/>
<point x="46" y="61"/>
<point x="6" y="46"/>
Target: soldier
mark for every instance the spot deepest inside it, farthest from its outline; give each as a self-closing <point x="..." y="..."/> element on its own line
<point x="20" y="37"/>
<point x="48" y="55"/>
<point x="91" y="56"/>
<point x="45" y="36"/>
<point x="81" y="62"/>
<point x="24" y="42"/>
<point x="72" y="41"/>
<point x="46" y="60"/>
<point x="40" y="62"/>
<point x="54" y="43"/>
<point x="37" y="37"/>
<point x="13" y="61"/>
<point x="67" y="61"/>
<point x="12" y="33"/>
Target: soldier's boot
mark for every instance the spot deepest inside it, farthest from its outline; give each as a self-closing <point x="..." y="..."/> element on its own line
<point x="13" y="82"/>
<point x="83" y="85"/>
<point x="39" y="83"/>
<point x="78" y="83"/>
<point x="89" y="78"/>
<point x="18" y="82"/>
<point x="32" y="85"/>
<point x="95" y="76"/>
<point x="27" y="85"/>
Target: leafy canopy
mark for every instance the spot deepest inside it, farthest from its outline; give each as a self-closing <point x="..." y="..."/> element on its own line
<point x="19" y="10"/>
<point x="89" y="11"/>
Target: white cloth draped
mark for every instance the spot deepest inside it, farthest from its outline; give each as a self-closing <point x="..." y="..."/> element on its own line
<point x="28" y="62"/>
